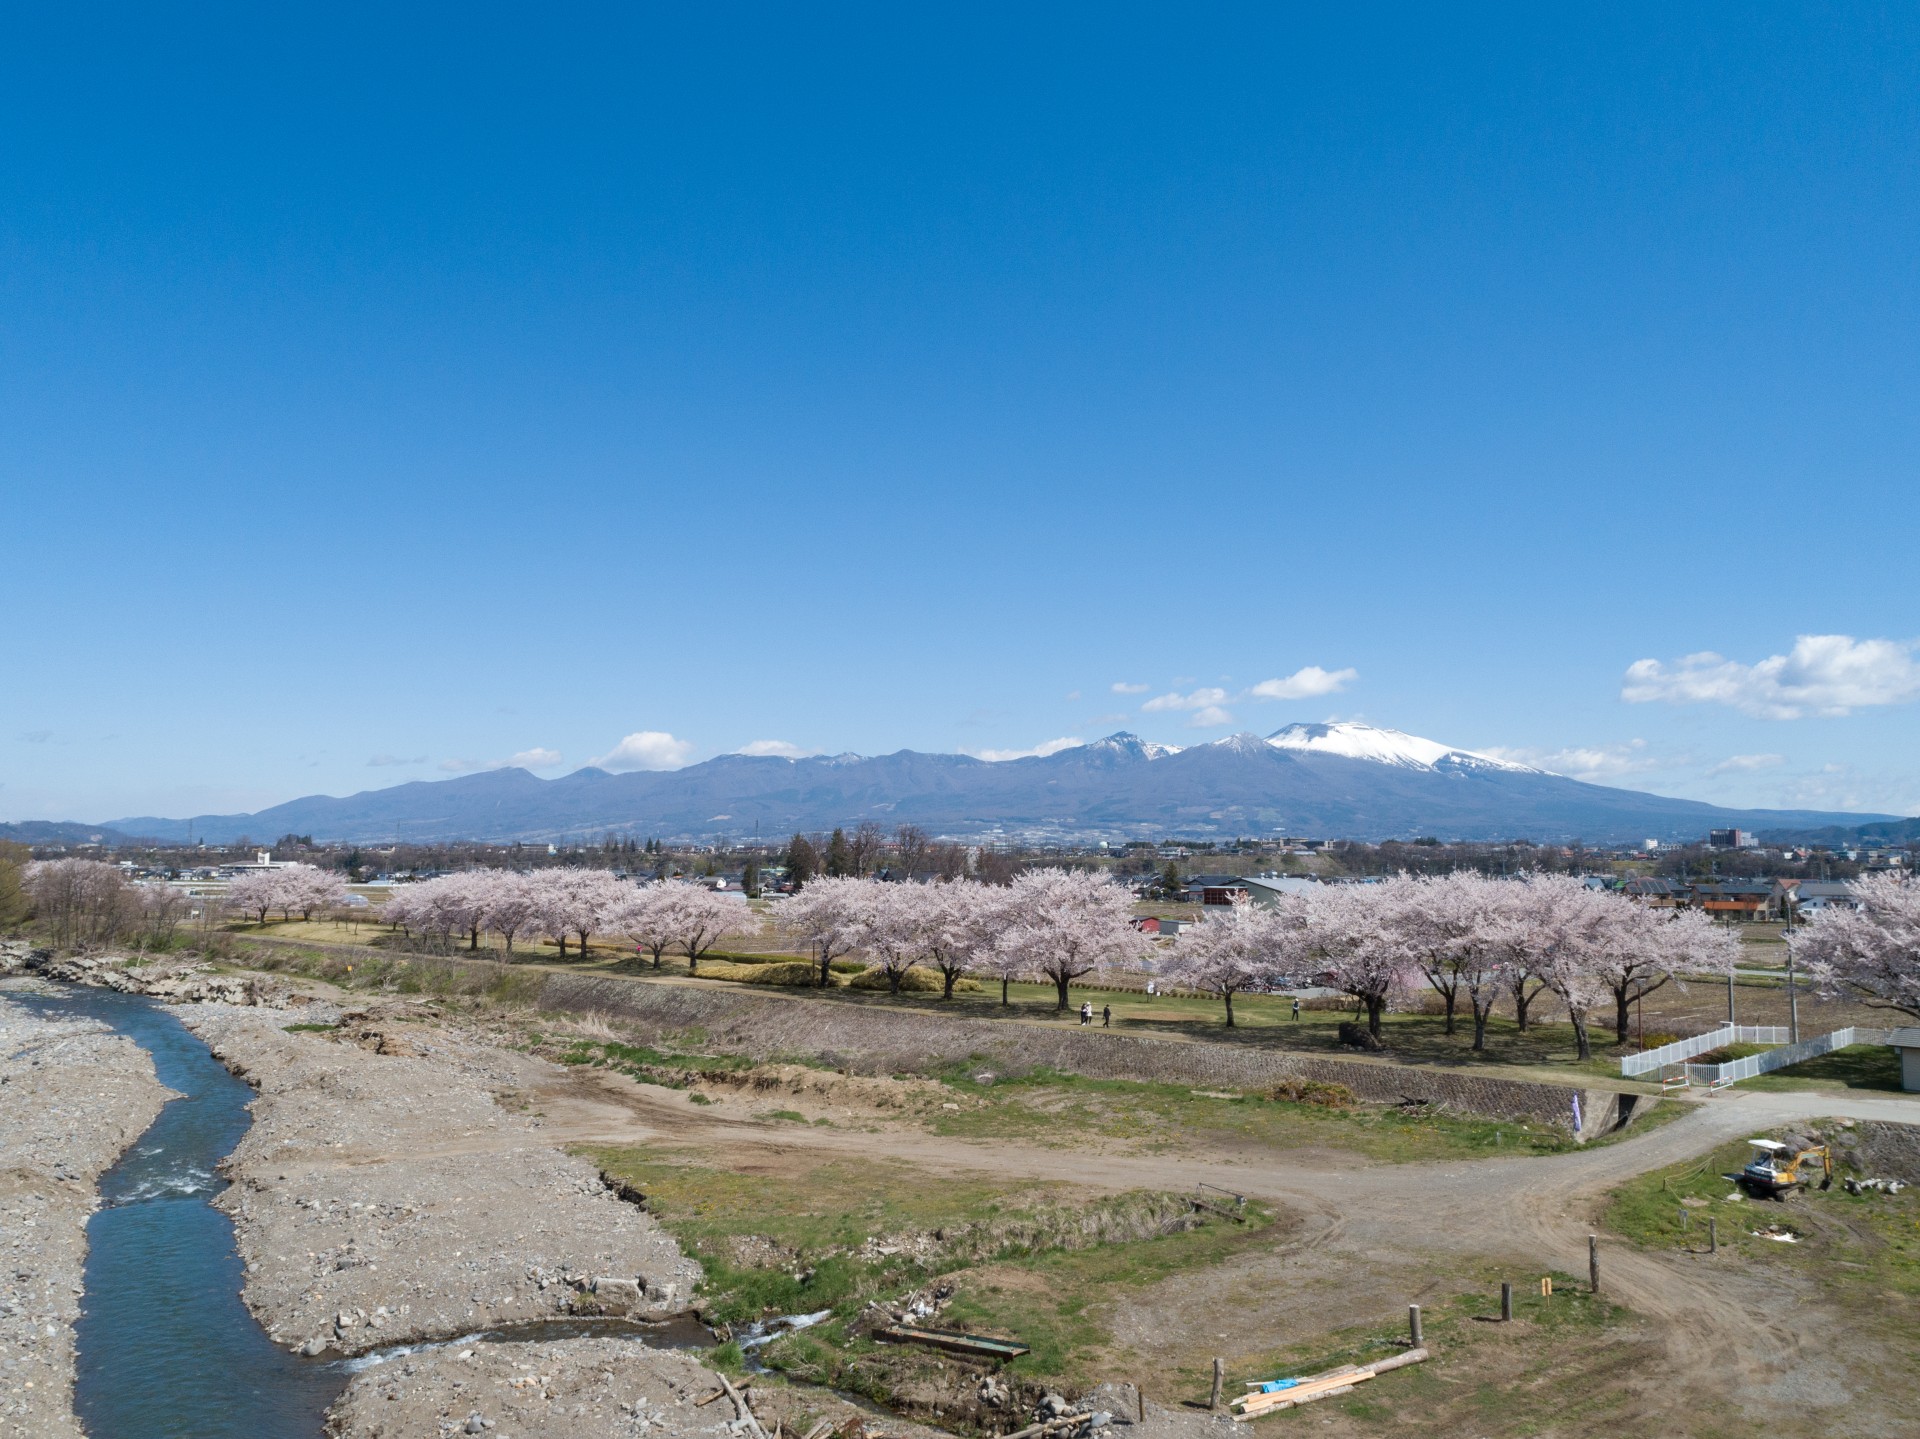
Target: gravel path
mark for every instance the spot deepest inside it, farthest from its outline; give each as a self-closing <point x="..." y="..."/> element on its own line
<point x="383" y="1195"/>
<point x="73" y="1095"/>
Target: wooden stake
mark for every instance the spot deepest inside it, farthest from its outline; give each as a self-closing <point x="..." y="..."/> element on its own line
<point x="1139" y="1404"/>
<point x="1713" y="1235"/>
<point x="1506" y="1303"/>
<point x="1413" y="1324"/>
<point x="1593" y="1261"/>
<point x="1219" y="1378"/>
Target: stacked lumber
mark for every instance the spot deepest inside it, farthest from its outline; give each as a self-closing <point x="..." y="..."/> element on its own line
<point x="1260" y="1400"/>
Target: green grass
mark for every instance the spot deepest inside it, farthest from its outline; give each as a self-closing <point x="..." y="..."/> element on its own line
<point x="1858" y="1066"/>
<point x="1047" y="1105"/>
<point x="309" y="1028"/>
<point x="816" y="1243"/>
<point x="1861" y="1251"/>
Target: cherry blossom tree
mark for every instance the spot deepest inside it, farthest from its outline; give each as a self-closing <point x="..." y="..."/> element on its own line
<point x="1872" y="951"/>
<point x="81" y="901"/>
<point x="701" y="919"/>
<point x="646" y="916"/>
<point x="254" y="893"/>
<point x="828" y="916"/>
<point x="963" y="922"/>
<point x="894" y="929"/>
<point x="1240" y="949"/>
<point x="1568" y="931"/>
<point x="1345" y="928"/>
<point x="507" y="904"/>
<point x="1455" y="928"/>
<point x="573" y="900"/>
<point x="1644" y="949"/>
<point x="1072" y="923"/>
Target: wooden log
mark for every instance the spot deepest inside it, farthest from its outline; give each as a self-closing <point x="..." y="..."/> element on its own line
<point x="740" y="1406"/>
<point x="1048" y="1426"/>
<point x="717" y="1394"/>
<point x="1398" y="1361"/>
<point x="1219" y="1378"/>
<point x="819" y="1430"/>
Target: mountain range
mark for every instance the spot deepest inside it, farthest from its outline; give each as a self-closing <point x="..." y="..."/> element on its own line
<point x="1348" y="781"/>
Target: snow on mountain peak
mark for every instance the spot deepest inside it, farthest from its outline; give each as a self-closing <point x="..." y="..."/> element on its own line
<point x="1351" y="740"/>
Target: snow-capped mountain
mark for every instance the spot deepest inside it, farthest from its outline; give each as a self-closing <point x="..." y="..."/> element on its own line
<point x="1352" y="740"/>
<point x="1342" y="781"/>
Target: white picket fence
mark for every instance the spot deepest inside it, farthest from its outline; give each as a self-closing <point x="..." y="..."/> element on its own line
<point x="1649" y="1060"/>
<point x="1719" y="1076"/>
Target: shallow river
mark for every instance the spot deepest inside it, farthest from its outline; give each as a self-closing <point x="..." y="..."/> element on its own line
<point x="166" y="1350"/>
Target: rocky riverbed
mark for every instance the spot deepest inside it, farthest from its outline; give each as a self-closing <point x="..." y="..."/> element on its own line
<point x="73" y="1095"/>
<point x="384" y="1193"/>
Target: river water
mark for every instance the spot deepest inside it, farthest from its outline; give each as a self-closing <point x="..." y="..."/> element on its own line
<point x="165" y="1348"/>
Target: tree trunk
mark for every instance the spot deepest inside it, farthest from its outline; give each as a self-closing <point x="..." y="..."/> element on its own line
<point x="950" y="976"/>
<point x="1060" y="980"/>
<point x="1480" y="1028"/>
<point x="1580" y="1032"/>
<point x="1229" y="995"/>
<point x="1453" y="997"/>
<point x="826" y="968"/>
<point x="563" y="946"/>
<point x="509" y="942"/>
<point x="1374" y="1009"/>
<point x="473" y="939"/>
<point x="1622" y="1019"/>
<point x="1005" y="980"/>
<point x="894" y="976"/>
<point x="693" y="963"/>
<point x="1522" y="1001"/>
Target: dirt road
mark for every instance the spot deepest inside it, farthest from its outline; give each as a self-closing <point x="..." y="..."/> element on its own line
<point x="1373" y="1236"/>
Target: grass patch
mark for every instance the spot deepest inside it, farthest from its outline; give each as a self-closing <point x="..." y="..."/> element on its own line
<point x="844" y="1234"/>
<point x="1045" y="1105"/>
<point x="309" y="1028"/>
<point x="1858" y="1066"/>
<point x="654" y="1066"/>
<point x="1863" y="1250"/>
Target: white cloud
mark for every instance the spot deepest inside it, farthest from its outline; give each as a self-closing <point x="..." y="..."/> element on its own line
<point x="1052" y="746"/>
<point x="1198" y="699"/>
<point x="1747" y="763"/>
<point x="1595" y="764"/>
<point x="1210" y="717"/>
<point x="535" y="758"/>
<point x="1123" y="688"/>
<point x="646" y="749"/>
<point x="1304" y="684"/>
<point x="1825" y="675"/>
<point x="776" y="748"/>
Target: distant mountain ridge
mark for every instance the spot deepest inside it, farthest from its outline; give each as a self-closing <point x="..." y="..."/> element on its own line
<point x="1347" y="781"/>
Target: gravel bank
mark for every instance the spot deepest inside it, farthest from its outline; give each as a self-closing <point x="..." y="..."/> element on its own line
<point x="73" y="1095"/>
<point x="577" y="1389"/>
<point x="384" y="1195"/>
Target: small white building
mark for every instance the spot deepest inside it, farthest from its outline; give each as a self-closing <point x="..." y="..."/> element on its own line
<point x="1907" y="1041"/>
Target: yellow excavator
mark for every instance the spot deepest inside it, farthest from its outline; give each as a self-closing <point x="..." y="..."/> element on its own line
<point x="1779" y="1172"/>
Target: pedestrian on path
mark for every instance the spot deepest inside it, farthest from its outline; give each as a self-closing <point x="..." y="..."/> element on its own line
<point x="1106" y="1016"/>
<point x="1296" y="1006"/>
<point x="1086" y="1012"/>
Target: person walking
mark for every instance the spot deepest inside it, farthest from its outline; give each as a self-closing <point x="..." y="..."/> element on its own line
<point x="1296" y="1006"/>
<point x="1086" y="1012"/>
<point x="1106" y="1016"/>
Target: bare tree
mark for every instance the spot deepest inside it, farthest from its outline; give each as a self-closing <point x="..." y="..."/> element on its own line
<point x="911" y="844"/>
<point x="863" y="849"/>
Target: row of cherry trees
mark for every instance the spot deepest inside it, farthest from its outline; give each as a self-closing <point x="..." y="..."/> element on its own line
<point x="1470" y="938"/>
<point x="569" y="904"/>
<point x="302" y="889"/>
<point x="1049" y="925"/>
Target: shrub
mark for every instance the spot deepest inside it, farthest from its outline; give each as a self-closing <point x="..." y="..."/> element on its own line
<point x="917" y="980"/>
<point x="1313" y="1091"/>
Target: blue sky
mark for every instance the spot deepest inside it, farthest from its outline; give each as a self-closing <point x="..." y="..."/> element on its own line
<point x="383" y="395"/>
